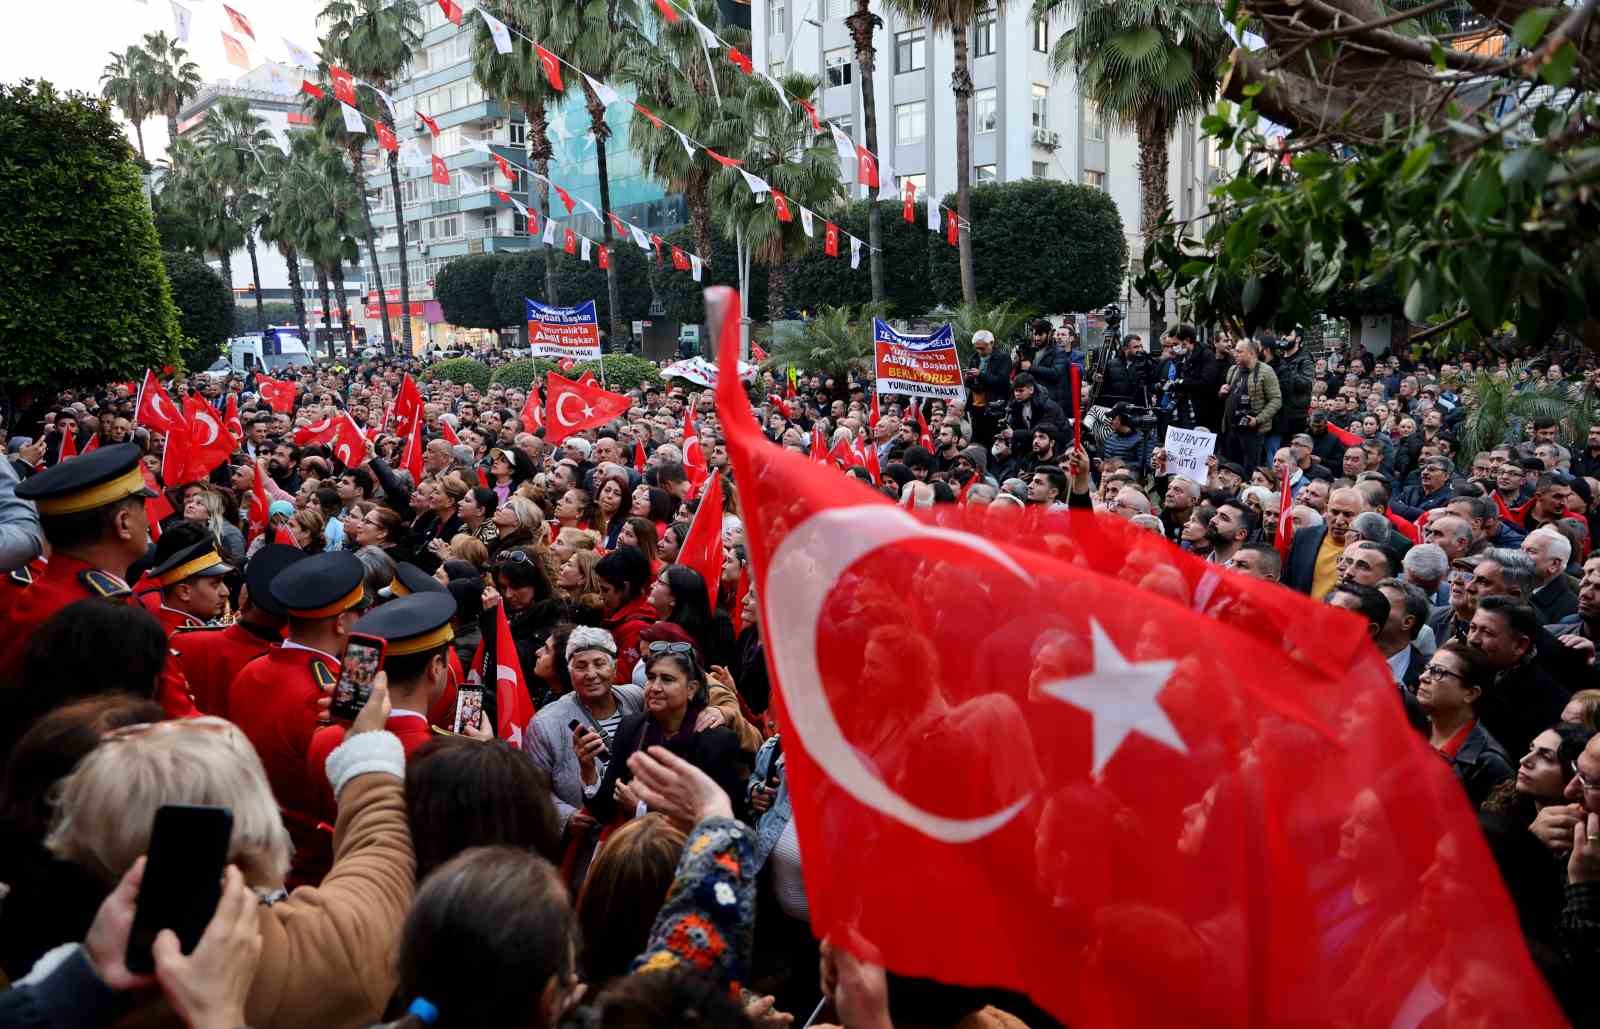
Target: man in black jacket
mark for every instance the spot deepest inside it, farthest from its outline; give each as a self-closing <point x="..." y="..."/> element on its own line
<point x="1030" y="406"/>
<point x="1524" y="700"/>
<point x="988" y="387"/>
<point x="1051" y="366"/>
<point x="1296" y="371"/>
<point x="1126" y="376"/>
<point x="1200" y="376"/>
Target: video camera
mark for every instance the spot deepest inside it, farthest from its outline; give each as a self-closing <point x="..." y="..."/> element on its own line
<point x="1141" y="418"/>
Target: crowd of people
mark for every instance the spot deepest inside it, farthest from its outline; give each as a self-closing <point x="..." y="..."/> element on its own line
<point x="629" y="856"/>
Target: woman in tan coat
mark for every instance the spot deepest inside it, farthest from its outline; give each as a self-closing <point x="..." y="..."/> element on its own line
<point x="326" y="950"/>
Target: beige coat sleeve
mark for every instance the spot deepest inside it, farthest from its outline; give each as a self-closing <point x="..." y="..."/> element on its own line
<point x="724" y="700"/>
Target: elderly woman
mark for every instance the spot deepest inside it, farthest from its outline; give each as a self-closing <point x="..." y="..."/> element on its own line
<point x="518" y="522"/>
<point x="107" y="806"/>
<point x="432" y="534"/>
<point x="585" y="720"/>
<point x="1449" y="686"/>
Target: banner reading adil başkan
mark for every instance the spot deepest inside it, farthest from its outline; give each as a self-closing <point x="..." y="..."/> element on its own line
<point x="564" y="331"/>
<point x="918" y="366"/>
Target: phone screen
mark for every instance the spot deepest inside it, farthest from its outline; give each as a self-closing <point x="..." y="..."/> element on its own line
<point x="182" y="879"/>
<point x="469" y="705"/>
<point x="363" y="657"/>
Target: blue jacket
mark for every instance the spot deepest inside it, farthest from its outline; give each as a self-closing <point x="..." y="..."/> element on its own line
<point x="770" y="825"/>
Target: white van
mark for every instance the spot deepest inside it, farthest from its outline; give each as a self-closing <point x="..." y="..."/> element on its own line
<point x="272" y="351"/>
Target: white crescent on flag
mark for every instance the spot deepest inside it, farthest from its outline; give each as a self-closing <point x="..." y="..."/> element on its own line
<point x="561" y="416"/>
<point x="209" y="422"/>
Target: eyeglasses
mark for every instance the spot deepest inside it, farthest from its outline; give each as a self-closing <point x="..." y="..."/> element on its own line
<point x="1437" y="671"/>
<point x="519" y="557"/>
<point x="1584" y="784"/>
<point x="1464" y="578"/>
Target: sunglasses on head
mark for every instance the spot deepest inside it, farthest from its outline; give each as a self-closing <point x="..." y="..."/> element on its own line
<point x="668" y="647"/>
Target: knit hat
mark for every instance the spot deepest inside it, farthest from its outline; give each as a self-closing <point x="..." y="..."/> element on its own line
<point x="280" y="507"/>
<point x="586" y="637"/>
<point x="979" y="459"/>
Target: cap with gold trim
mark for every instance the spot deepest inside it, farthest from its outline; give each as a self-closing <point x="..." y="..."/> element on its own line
<point x="409" y="579"/>
<point x="192" y="562"/>
<point x="320" y="586"/>
<point x="411" y="625"/>
<point x="101" y="477"/>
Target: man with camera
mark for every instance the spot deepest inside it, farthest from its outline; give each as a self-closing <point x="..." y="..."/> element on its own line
<point x="1127" y="375"/>
<point x="1128" y="437"/>
<point x="988" y="377"/>
<point x="1296" y="370"/>
<point x="1251" y="400"/>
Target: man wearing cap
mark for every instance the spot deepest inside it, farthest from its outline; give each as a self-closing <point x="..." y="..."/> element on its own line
<point x="212" y="657"/>
<point x="274" y="699"/>
<point x="191" y="587"/>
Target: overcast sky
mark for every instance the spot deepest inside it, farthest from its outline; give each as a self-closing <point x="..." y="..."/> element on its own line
<point x="70" y="42"/>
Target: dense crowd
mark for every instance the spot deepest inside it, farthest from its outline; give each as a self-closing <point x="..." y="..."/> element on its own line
<point x="628" y="855"/>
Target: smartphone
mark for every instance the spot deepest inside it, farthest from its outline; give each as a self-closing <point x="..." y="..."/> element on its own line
<point x="604" y="754"/>
<point x="182" y="879"/>
<point x="363" y="656"/>
<point x="469" y="705"/>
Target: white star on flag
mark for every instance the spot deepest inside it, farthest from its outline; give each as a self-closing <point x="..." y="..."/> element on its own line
<point x="695" y="265"/>
<point x="497" y="29"/>
<point x="757" y="184"/>
<point x="805" y="220"/>
<point x="607" y="95"/>
<point x="1120" y="697"/>
<point x="181" y="18"/>
<point x="299" y="56"/>
<point x="855" y="252"/>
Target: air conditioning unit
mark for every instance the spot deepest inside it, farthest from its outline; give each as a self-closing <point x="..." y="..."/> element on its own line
<point x="1041" y="137"/>
<point x="1055" y="138"/>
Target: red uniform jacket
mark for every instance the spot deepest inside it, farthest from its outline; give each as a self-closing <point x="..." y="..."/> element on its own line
<point x="172" y="620"/>
<point x="412" y="728"/>
<point x="211" y="658"/>
<point x="34" y="598"/>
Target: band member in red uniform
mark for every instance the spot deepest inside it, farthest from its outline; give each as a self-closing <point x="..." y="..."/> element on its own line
<point x="274" y="699"/>
<point x="410" y="580"/>
<point x="192" y="592"/>
<point x="211" y="657"/>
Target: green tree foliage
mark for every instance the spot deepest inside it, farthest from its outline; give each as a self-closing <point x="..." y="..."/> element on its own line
<point x="460" y="370"/>
<point x="1006" y="320"/>
<point x="518" y="277"/>
<point x="579" y="281"/>
<point x="464" y="288"/>
<point x="623" y="371"/>
<point x="1054" y="246"/>
<point x="205" y="307"/>
<point x="835" y="342"/>
<point x="818" y="279"/>
<point x="83" y="295"/>
<point x="683" y="297"/>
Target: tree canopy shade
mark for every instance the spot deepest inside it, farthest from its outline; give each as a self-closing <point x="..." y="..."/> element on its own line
<point x="1052" y="246"/>
<point x="579" y="281"/>
<point x="682" y="297"/>
<point x="818" y="279"/>
<point x="83" y="295"/>
<point x="464" y="288"/>
<point x="460" y="370"/>
<point x="205" y="308"/>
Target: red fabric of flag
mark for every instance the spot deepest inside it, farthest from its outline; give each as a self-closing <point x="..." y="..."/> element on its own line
<point x="532" y="414"/>
<point x="588" y="378"/>
<point x="819" y="445"/>
<point x="157" y="508"/>
<point x="816" y="123"/>
<point x="260" y="504"/>
<point x="603" y="257"/>
<point x="235" y="52"/>
<point x="69" y="446"/>
<point x="316" y="432"/>
<point x="175" y="455"/>
<point x="666" y="10"/>
<point x="411" y="457"/>
<point x="452" y="11"/>
<point x="93" y="444"/>
<point x="924" y="437"/>
<point x="239" y="22"/>
<point x="433" y="126"/>
<point x="656" y="242"/>
<point x="722" y="159"/>
<point x="866" y="167"/>
<point x="694" y="456"/>
<point x="573" y="407"/>
<point x="780" y="205"/>
<point x="680" y="260"/>
<point x="441" y="171"/>
<point x="1283" y="539"/>
<point x="230" y="416"/>
<point x="639" y="458"/>
<point x="279" y="395"/>
<point x="344" y="85"/>
<point x="740" y="60"/>
<point x="448" y="433"/>
<point x="654" y="120"/>
<point x="569" y="241"/>
<point x="503" y="195"/>
<point x="505" y="167"/>
<point x="310" y="88"/>
<point x="407" y="405"/>
<point x="1068" y="730"/>
<point x="385" y="137"/>
<point x="1404" y="526"/>
<point x="1344" y="436"/>
<point x="513" y="704"/>
<point x="952" y="228"/>
<point x="566" y="198"/>
<point x="830" y="240"/>
<point x="702" y="547"/>
<point x="210" y="443"/>
<point x="550" y="64"/>
<point x="908" y="201"/>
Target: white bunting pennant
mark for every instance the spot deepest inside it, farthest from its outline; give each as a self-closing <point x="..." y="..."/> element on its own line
<point x="521" y="208"/>
<point x="688" y="147"/>
<point x="888" y="184"/>
<point x="935" y="219"/>
<point x="707" y="37"/>
<point x="757" y="184"/>
<point x="805" y="220"/>
<point x="855" y="252"/>
<point x="695" y="265"/>
<point x="607" y="95"/>
<point x="353" y="122"/>
<point x="778" y="89"/>
<point x="180" y="22"/>
<point x="550" y="230"/>
<point x="640" y="240"/>
<point x="299" y="56"/>
<point x="497" y="29"/>
<point x="591" y="208"/>
<point x="388" y="101"/>
<point x="847" y="153"/>
<point x="585" y="242"/>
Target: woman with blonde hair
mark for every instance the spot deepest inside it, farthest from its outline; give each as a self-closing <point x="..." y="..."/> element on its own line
<point x="442" y="523"/>
<point x="306" y="526"/>
<point x="469" y="549"/>
<point x="570" y="541"/>
<point x="520" y="523"/>
<point x="577" y="580"/>
<point x="108" y="804"/>
<point x="204" y="506"/>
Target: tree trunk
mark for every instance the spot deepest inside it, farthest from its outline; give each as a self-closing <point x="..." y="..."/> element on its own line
<point x="255" y="277"/>
<point x="225" y="256"/>
<point x="297" y="293"/>
<point x="862" y="24"/>
<point x="375" y="278"/>
<point x="344" y="310"/>
<point x="597" y="125"/>
<point x="400" y="231"/>
<point x="138" y="133"/>
<point x="777" y="291"/>
<point x="327" y="309"/>
<point x="697" y="196"/>
<point x="539" y="153"/>
<point x="961" y="85"/>
<point x="1153" y="166"/>
<point x="172" y="123"/>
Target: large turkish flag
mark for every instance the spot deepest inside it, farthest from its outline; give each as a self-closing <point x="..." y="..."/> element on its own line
<point x="572" y="407"/>
<point x="154" y="409"/>
<point x="278" y="394"/>
<point x="1067" y="759"/>
<point x="210" y="442"/>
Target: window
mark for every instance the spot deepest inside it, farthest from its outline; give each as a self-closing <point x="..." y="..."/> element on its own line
<point x="1041" y="170"/>
<point x="517" y="133"/>
<point x="1041" y="35"/>
<point x="920" y="181"/>
<point x="838" y="62"/>
<point x="910" y="51"/>
<point x="445" y="228"/>
<point x="836" y="8"/>
<point x="846" y="123"/>
<point x="984" y="34"/>
<point x="1041" y="106"/>
<point x="984" y="173"/>
<point x="777" y="18"/>
<point x="1097" y="123"/>
<point x="775" y="69"/>
<point x="911" y="122"/>
<point x="985" y="110"/>
<point x="1095" y="179"/>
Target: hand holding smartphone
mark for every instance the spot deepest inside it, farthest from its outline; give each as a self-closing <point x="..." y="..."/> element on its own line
<point x="182" y="879"/>
<point x="363" y="657"/>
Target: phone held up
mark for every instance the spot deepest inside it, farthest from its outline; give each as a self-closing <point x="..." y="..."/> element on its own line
<point x="469" y="707"/>
<point x="363" y="657"/>
<point x="604" y="754"/>
<point x="182" y="879"/>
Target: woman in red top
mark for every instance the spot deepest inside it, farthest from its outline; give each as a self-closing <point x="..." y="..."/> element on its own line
<point x="624" y="578"/>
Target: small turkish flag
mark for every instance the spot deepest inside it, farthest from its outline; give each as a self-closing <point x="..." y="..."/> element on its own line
<point x="638" y="456"/>
<point x="310" y="88"/>
<point x="665" y="7"/>
<point x="618" y="226"/>
<point x="260" y="504"/>
<point x="513" y="704"/>
<point x="680" y="260"/>
<point x="344" y="85"/>
<point x="587" y="378"/>
<point x="154" y="409"/>
<point x="175" y="456"/>
<point x="654" y="118"/>
<point x="504" y="166"/>
<point x="448" y="433"/>
<point x="315" y="433"/>
<point x="452" y="11"/>
<point x="740" y="60"/>
<point x="93" y="444"/>
<point x="830" y="240"/>
<point x="757" y="353"/>
<point x="569" y="242"/>
<point x="1284" y="538"/>
<point x="1161" y="723"/>
<point x="780" y="205"/>
<point x="411" y="457"/>
<point x="433" y="126"/>
<point x="952" y="228"/>
<point x="816" y="123"/>
<point x="230" y="416"/>
<point x="532" y="415"/>
<point x="69" y="446"/>
<point x="866" y="167"/>
<point x="924" y="437"/>
<point x="407" y="406"/>
<point x="551" y="65"/>
<point x="240" y="22"/>
<point x="694" y="457"/>
<point x="722" y="159"/>
<point x="1344" y="436"/>
<point x="655" y="242"/>
<point x="604" y="258"/>
<point x="503" y="195"/>
<point x="385" y="137"/>
<point x="209" y="442"/>
<point x="566" y="198"/>
<point x="819" y="445"/>
<point x="441" y="172"/>
<point x="908" y="202"/>
<point x="573" y="407"/>
<point x="702" y="547"/>
<point x="235" y="52"/>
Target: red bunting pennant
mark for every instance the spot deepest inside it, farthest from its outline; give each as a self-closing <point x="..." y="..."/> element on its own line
<point x="680" y="260"/>
<point x="235" y="52"/>
<point x="665" y="7"/>
<point x="503" y="195"/>
<point x="656" y="242"/>
<point x="551" y="65"/>
<point x="505" y="167"/>
<point x="780" y="204"/>
<point x="866" y="167"/>
<point x="386" y="137"/>
<point x="433" y="126"/>
<point x="441" y="173"/>
<point x="452" y="11"/>
<point x="816" y="123"/>
<point x="726" y="162"/>
<point x="310" y="88"/>
<point x="619" y="226"/>
<point x="740" y="61"/>
<point x="569" y="242"/>
<point x="344" y="85"/>
<point x="566" y="198"/>
<point x="952" y="228"/>
<point x="642" y="109"/>
<point x="605" y="257"/>
<point x="908" y="201"/>
<point x="830" y="240"/>
<point x="240" y="22"/>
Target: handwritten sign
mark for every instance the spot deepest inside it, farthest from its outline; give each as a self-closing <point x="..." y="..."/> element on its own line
<point x="917" y="366"/>
<point x="1187" y="450"/>
<point x="563" y="332"/>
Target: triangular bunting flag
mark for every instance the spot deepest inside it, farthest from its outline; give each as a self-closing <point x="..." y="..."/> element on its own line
<point x="235" y="52"/>
<point x="607" y="95"/>
<point x="181" y="17"/>
<point x="780" y="205"/>
<point x="855" y="252"/>
<point x="696" y="265"/>
<point x="498" y="31"/>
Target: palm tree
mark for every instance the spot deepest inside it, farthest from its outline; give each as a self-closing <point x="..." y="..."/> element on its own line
<point x="170" y="78"/>
<point x="190" y="186"/>
<point x="835" y="342"/>
<point x="121" y="84"/>
<point x="862" y="24"/>
<point x="231" y="140"/>
<point x="516" y="80"/>
<point x="954" y="17"/>
<point x="599" y="45"/>
<point x="276" y="221"/>
<point x="1498" y="411"/>
<point x="375" y="41"/>
<point x="1148" y="64"/>
<point x="1006" y="320"/>
<point x="793" y="159"/>
<point x="326" y="217"/>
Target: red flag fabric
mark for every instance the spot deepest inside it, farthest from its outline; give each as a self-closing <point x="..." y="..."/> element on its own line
<point x="532" y="415"/>
<point x="924" y="437"/>
<point x="452" y="11"/>
<point x="1344" y="436"/>
<point x="240" y="22"/>
<point x="871" y="464"/>
<point x="448" y="433"/>
<point x="93" y="444"/>
<point x="344" y="85"/>
<point x="441" y="171"/>
<point x="655" y="242"/>
<point x="317" y="432"/>
<point x="310" y="88"/>
<point x="411" y="458"/>
<point x="866" y="167"/>
<point x="573" y="407"/>
<point x="666" y="10"/>
<point x="154" y="409"/>
<point x="908" y="201"/>
<point x="816" y="123"/>
<point x="603" y="257"/>
<point x="260" y="505"/>
<point x="618" y="226"/>
<point x="433" y="126"/>
<point x="722" y="159"/>
<point x="1405" y="526"/>
<point x="69" y="446"/>
<point x="1283" y="540"/>
<point x="235" y="52"/>
<point x="694" y="457"/>
<point x="483" y="477"/>
<point x="680" y="260"/>
<point x="830" y="240"/>
<point x="278" y="394"/>
<point x="503" y="195"/>
<point x="819" y="445"/>
<point x="230" y="416"/>
<point x="587" y="378"/>
<point x="1145" y="743"/>
<point x="569" y="241"/>
<point x="639" y="458"/>
<point x="872" y="420"/>
<point x="1515" y="515"/>
<point x="175" y="455"/>
<point x="407" y="406"/>
<point x="844" y="455"/>
<point x="565" y="197"/>
<point x="550" y="64"/>
<point x="702" y="547"/>
<point x="952" y="228"/>
<point x="505" y="167"/>
<point x="157" y="508"/>
<point x="740" y="60"/>
<point x="756" y="353"/>
<point x="513" y="705"/>
<point x="210" y="442"/>
<point x="654" y="119"/>
<point x="385" y="136"/>
<point x="349" y="442"/>
<point x="780" y="205"/>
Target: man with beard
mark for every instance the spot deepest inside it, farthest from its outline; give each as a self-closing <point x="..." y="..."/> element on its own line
<point x="1229" y="529"/>
<point x="1044" y="449"/>
<point x="283" y="465"/>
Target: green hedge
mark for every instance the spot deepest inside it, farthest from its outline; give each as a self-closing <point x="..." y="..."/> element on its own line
<point x="623" y="371"/>
<point x="460" y="370"/>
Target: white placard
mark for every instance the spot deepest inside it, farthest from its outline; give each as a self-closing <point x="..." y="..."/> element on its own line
<point x="1187" y="450"/>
